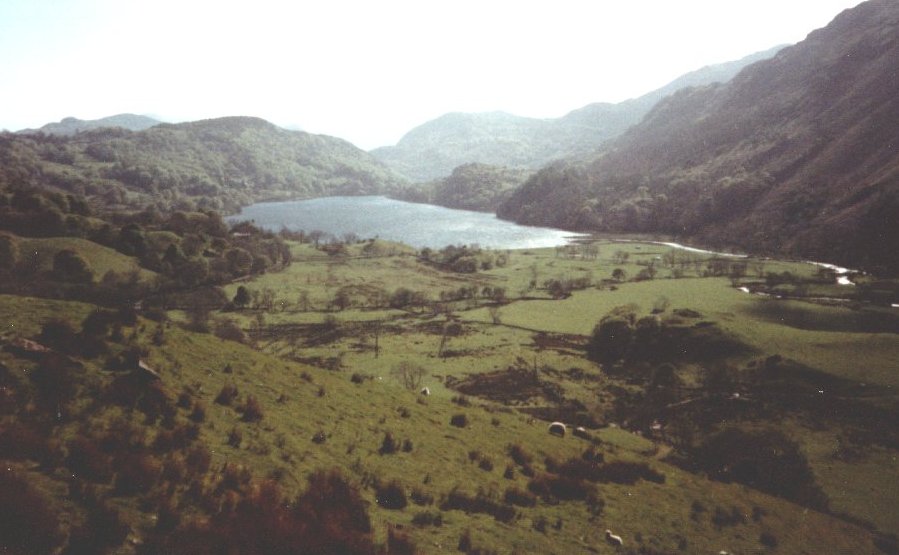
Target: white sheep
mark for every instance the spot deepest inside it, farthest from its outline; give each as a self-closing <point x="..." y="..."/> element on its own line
<point x="557" y="428"/>
<point x="425" y="391"/>
<point x="614" y="540"/>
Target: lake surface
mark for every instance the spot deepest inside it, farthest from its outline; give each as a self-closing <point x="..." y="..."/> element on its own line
<point x="418" y="225"/>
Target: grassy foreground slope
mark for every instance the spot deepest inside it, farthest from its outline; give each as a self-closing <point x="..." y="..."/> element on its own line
<point x="299" y="402"/>
<point x="527" y="350"/>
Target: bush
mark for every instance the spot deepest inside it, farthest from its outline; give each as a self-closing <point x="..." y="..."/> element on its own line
<point x="459" y="420"/>
<point x="421" y="497"/>
<point x="330" y="517"/>
<point x="227" y="395"/>
<point x="515" y="496"/>
<point x="28" y="525"/>
<point x="137" y="474"/>
<point x="427" y="518"/>
<point x="252" y="410"/>
<point x="86" y="461"/>
<point x="768" y="539"/>
<point x="456" y="500"/>
<point x="518" y="454"/>
<point x="388" y="445"/>
<point x="199" y="412"/>
<point x="391" y="496"/>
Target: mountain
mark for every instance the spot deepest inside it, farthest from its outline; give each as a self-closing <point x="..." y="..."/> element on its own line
<point x="218" y="164"/>
<point x="794" y="155"/>
<point x="70" y="126"/>
<point x="433" y="149"/>
<point x="472" y="186"/>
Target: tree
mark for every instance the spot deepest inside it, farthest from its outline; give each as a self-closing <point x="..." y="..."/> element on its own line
<point x="611" y="340"/>
<point x="242" y="297"/>
<point x="410" y="374"/>
<point x="9" y="252"/>
<point x="619" y="275"/>
<point x="69" y="266"/>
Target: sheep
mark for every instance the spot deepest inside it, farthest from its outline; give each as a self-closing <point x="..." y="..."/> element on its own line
<point x="557" y="428"/>
<point x="613" y="540"/>
<point x="425" y="391"/>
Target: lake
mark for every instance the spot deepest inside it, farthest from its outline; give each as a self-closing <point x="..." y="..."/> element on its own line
<point x="418" y="225"/>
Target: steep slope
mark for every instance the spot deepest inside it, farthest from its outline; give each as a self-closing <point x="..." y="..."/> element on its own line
<point x="70" y="126"/>
<point x="218" y="164"/>
<point x="794" y="155"/>
<point x="435" y="148"/>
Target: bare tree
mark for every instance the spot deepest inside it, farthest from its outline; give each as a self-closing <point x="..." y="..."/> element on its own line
<point x="410" y="374"/>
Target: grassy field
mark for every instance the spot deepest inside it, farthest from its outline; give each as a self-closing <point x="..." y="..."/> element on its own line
<point x="326" y="375"/>
<point x="491" y="338"/>
<point x="100" y="259"/>
<point x="300" y="402"/>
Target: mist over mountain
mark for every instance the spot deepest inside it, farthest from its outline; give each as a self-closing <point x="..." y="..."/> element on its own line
<point x="796" y="154"/>
<point x="70" y="126"/>
<point x="217" y="164"/>
<point x="433" y="149"/>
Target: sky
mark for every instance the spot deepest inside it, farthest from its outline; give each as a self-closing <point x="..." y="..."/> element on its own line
<point x="367" y="71"/>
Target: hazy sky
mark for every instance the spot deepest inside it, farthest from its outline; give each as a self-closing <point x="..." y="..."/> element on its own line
<point x="366" y="70"/>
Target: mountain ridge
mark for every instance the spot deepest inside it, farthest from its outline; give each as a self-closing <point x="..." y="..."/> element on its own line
<point x="433" y="149"/>
<point x="794" y="155"/>
<point x="72" y="125"/>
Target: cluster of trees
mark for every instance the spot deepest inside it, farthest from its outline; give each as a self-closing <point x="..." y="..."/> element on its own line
<point x="186" y="249"/>
<point x="465" y="259"/>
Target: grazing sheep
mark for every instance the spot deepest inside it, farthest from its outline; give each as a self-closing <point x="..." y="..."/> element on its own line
<point x="614" y="540"/>
<point x="581" y="432"/>
<point x="425" y="391"/>
<point x="557" y="428"/>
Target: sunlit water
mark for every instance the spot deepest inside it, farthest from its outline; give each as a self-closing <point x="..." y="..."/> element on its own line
<point x="418" y="225"/>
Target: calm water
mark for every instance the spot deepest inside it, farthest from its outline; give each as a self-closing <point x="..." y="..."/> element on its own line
<point x="418" y="225"/>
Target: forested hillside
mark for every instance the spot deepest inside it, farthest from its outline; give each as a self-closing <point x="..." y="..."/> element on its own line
<point x="433" y="149"/>
<point x="470" y="187"/>
<point x="794" y="155"/>
<point x="218" y="164"/>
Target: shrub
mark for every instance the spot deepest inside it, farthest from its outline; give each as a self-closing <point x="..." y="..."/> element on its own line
<point x="388" y="444"/>
<point x="235" y="437"/>
<point x="515" y="496"/>
<point x="252" y="410"/>
<point x="624" y="472"/>
<point x="459" y="420"/>
<point x="399" y="543"/>
<point x="198" y="459"/>
<point x="481" y="503"/>
<point x="199" y="412"/>
<point x="768" y="539"/>
<point x="330" y="517"/>
<point x="391" y="496"/>
<point x="319" y="437"/>
<point x="421" y="497"/>
<point x="428" y="518"/>
<point x="29" y="525"/>
<point x="722" y="517"/>
<point x="565" y="488"/>
<point x="102" y="529"/>
<point x="227" y="395"/>
<point x="137" y="474"/>
<point x="485" y="464"/>
<point x="86" y="461"/>
<point x="518" y="454"/>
